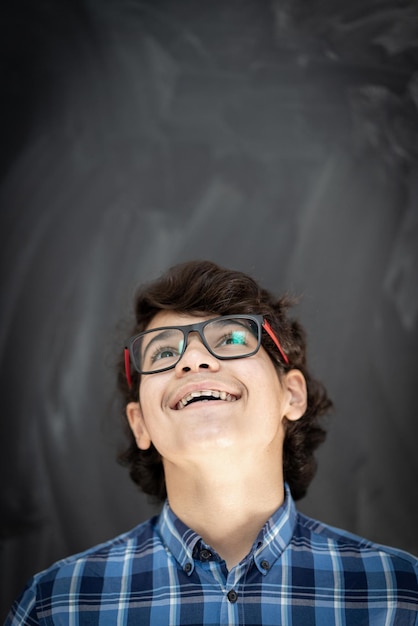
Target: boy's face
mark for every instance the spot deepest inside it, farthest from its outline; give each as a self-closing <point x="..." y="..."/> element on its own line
<point x="239" y="411"/>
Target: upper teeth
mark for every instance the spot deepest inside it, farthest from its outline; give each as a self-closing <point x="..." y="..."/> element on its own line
<point x="222" y="395"/>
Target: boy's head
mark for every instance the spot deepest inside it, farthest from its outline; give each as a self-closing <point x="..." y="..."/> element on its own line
<point x="204" y="288"/>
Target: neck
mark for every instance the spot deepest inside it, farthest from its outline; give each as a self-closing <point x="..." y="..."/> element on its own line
<point x="226" y="508"/>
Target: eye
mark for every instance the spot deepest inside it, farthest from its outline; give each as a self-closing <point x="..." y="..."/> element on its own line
<point x="234" y="338"/>
<point x="165" y="352"/>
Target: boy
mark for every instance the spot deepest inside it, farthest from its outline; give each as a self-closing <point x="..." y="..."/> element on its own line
<point x="224" y="418"/>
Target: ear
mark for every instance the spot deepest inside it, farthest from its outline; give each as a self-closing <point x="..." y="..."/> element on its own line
<point x="296" y="394"/>
<point x="137" y="424"/>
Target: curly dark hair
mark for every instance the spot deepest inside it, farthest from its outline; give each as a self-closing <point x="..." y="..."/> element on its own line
<point x="204" y="287"/>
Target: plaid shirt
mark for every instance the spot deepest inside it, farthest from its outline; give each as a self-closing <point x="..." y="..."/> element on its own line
<point x="299" y="572"/>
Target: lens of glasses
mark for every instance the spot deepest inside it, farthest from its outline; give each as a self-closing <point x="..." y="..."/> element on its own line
<point x="230" y="337"/>
<point x="225" y="338"/>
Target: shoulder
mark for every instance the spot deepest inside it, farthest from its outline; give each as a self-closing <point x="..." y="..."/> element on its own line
<point x="355" y="552"/>
<point x="133" y="550"/>
<point x="136" y="543"/>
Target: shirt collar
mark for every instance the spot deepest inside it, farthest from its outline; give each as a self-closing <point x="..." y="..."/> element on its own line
<point x="269" y="545"/>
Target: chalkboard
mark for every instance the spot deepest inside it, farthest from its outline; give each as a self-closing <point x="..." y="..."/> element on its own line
<point x="272" y="137"/>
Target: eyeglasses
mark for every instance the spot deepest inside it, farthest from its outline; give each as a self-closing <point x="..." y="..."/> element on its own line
<point x="226" y="337"/>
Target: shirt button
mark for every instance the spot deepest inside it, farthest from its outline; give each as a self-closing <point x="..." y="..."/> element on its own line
<point x="265" y="565"/>
<point x="205" y="555"/>
<point x="232" y="596"/>
<point x="187" y="567"/>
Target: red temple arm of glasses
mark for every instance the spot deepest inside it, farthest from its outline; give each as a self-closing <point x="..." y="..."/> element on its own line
<point x="128" y="368"/>
<point x="270" y="331"/>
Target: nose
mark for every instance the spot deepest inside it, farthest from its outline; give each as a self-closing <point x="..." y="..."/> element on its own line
<point x="196" y="357"/>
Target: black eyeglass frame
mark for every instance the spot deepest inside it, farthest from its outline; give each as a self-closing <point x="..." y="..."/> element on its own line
<point x="198" y="327"/>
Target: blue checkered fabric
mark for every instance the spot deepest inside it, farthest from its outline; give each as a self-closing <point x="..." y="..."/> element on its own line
<point x="299" y="572"/>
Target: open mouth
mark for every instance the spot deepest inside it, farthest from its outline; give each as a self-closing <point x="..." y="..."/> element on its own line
<point x="205" y="395"/>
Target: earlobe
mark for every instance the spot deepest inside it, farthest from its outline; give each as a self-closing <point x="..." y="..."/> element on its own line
<point x="137" y="425"/>
<point x="295" y="385"/>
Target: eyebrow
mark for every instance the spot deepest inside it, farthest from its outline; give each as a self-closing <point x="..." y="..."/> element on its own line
<point x="226" y="322"/>
<point x="245" y="324"/>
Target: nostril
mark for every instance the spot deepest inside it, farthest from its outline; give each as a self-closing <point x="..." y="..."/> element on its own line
<point x="205" y="366"/>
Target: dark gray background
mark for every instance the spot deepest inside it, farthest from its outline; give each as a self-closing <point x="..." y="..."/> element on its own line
<point x="279" y="138"/>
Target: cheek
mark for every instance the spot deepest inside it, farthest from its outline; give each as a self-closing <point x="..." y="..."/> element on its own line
<point x="148" y="388"/>
<point x="270" y="395"/>
<point x="151" y="392"/>
<point x="267" y="383"/>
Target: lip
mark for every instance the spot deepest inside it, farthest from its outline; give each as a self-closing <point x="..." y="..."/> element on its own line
<point x="203" y="385"/>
